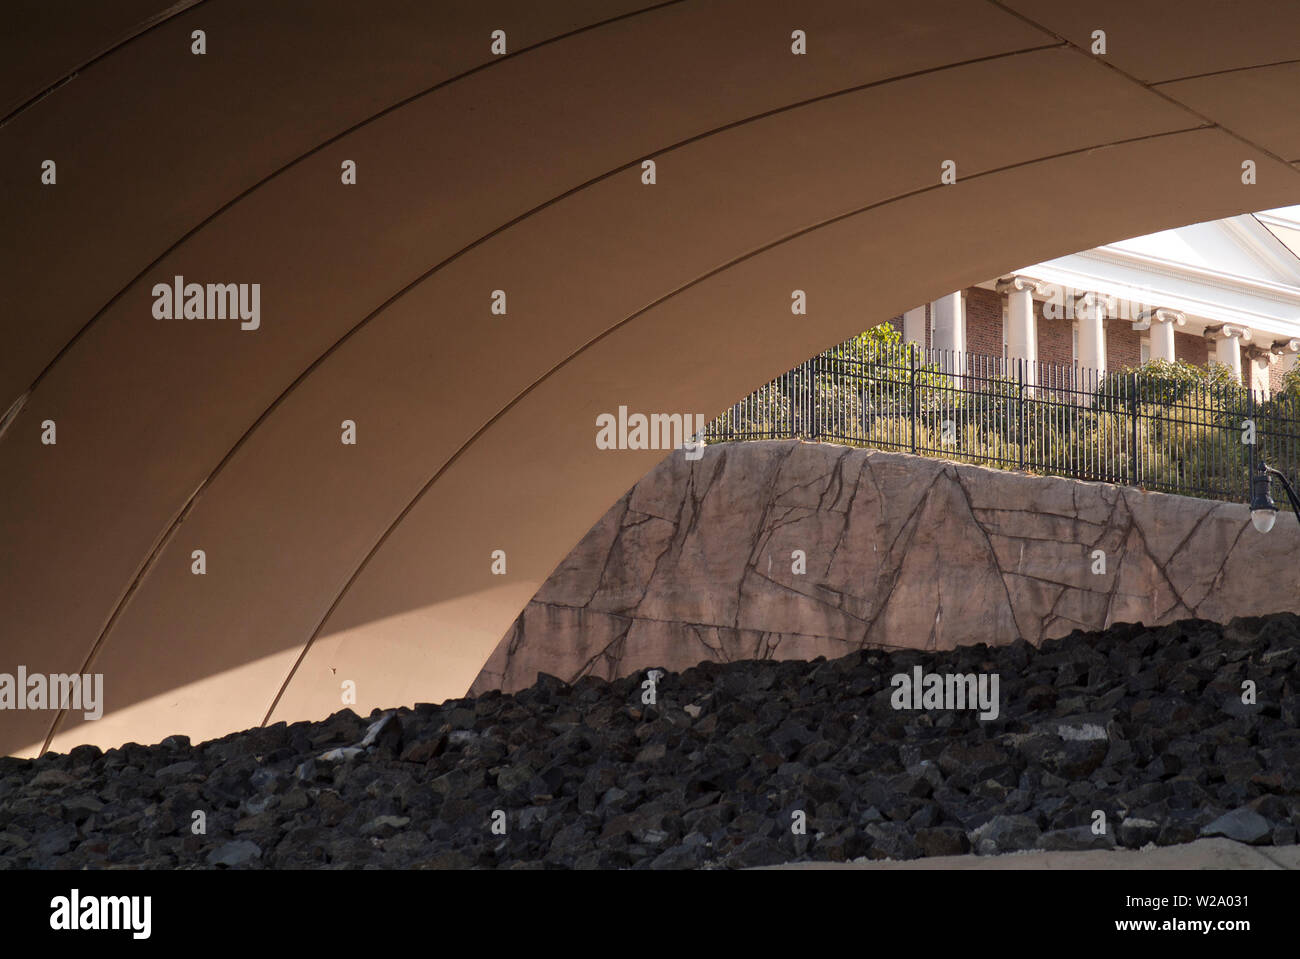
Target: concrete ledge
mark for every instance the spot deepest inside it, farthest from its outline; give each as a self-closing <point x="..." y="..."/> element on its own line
<point x="1202" y="854"/>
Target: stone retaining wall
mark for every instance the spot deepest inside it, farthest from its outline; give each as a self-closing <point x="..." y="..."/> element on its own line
<point x="695" y="563"/>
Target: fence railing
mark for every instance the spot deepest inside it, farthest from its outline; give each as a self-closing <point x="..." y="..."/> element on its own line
<point x="1197" y="438"/>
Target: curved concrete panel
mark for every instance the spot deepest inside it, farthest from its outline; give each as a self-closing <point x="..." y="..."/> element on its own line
<point x="1248" y="101"/>
<point x="1156" y="41"/>
<point x="47" y="43"/>
<point x="476" y="432"/>
<point x="152" y="140"/>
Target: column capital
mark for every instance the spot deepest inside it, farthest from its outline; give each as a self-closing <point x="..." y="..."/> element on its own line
<point x="1226" y="331"/>
<point x="1103" y="303"/>
<point x="1019" y="284"/>
<point x="1159" y="315"/>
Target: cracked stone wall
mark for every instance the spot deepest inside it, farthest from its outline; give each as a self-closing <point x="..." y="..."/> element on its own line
<point x="694" y="563"/>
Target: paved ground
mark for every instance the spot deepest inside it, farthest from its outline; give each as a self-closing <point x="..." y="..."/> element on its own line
<point x="1202" y="854"/>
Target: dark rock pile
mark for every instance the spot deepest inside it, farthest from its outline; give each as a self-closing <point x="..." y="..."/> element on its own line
<point x="1146" y="727"/>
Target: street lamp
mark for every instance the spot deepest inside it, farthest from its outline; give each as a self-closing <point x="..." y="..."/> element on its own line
<point x="1263" y="511"/>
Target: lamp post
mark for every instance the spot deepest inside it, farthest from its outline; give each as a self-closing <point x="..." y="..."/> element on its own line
<point x="1263" y="511"/>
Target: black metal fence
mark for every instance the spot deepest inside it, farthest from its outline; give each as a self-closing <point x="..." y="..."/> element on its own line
<point x="1157" y="429"/>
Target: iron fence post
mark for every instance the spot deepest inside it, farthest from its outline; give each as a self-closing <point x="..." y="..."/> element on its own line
<point x="803" y="401"/>
<point x="1250" y="415"/>
<point x="813" y="405"/>
<point x="1133" y="449"/>
<point x="1020" y="410"/>
<point x="797" y="420"/>
<point x="911" y="355"/>
<point x="792" y="392"/>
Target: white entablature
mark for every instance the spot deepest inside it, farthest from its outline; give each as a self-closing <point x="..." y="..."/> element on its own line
<point x="1235" y="281"/>
<point x="1226" y="271"/>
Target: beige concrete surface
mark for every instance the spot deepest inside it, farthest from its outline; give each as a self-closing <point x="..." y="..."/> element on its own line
<point x="372" y="563"/>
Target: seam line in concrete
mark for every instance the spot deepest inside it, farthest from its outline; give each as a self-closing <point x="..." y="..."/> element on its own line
<point x="1219" y="73"/>
<point x="145" y="26"/>
<point x="1149" y="87"/>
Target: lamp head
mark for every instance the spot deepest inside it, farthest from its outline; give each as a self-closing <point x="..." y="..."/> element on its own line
<point x="1263" y="511"/>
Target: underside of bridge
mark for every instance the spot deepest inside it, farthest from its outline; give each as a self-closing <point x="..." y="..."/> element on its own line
<point x="512" y="162"/>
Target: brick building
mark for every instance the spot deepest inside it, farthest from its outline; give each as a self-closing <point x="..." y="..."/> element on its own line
<point x="1224" y="292"/>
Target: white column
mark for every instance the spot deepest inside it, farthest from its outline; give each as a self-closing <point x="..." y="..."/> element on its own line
<point x="1227" y="345"/>
<point x="1090" y="313"/>
<point x="949" y="330"/>
<point x="1022" y="330"/>
<point x="1161" y="323"/>
<point x="914" y="326"/>
<point x="1260" y="363"/>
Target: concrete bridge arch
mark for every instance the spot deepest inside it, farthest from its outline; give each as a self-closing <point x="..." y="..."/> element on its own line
<point x="520" y="172"/>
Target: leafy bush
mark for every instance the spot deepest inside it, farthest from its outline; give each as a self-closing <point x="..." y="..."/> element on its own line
<point x="1290" y="385"/>
<point x="1162" y="383"/>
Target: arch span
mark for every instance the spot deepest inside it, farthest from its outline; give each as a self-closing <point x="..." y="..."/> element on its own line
<point x="371" y="562"/>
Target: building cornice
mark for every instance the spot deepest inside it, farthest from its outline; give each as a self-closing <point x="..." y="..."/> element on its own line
<point x="1272" y="219"/>
<point x="1160" y="266"/>
<point x="1193" y="297"/>
<point x="1262" y="245"/>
